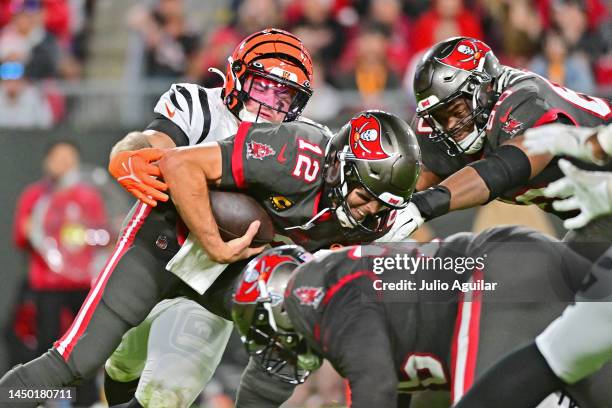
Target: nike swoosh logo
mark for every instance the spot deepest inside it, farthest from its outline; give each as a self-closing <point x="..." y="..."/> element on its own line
<point x="281" y="156"/>
<point x="170" y="112"/>
<point x="505" y="117"/>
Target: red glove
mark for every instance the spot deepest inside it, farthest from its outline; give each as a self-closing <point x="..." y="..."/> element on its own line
<point x="135" y="171"/>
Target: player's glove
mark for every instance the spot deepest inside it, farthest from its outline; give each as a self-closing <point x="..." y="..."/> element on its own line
<point x="407" y="221"/>
<point x="135" y="171"/>
<point x="559" y="139"/>
<point x="590" y="192"/>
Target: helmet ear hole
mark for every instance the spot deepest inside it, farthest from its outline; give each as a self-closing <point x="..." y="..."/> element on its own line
<point x="332" y="176"/>
<point x="237" y="66"/>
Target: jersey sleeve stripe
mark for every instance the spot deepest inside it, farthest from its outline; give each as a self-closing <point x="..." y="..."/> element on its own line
<point x="165" y="125"/>
<point x="464" y="349"/>
<point x="552" y="116"/>
<point x="331" y="292"/>
<point x="174" y="100"/>
<point x="237" y="154"/>
<point x="206" y="113"/>
<point x="183" y="91"/>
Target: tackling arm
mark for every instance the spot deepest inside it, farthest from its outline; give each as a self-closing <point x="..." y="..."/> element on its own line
<point x="142" y="140"/>
<point x="187" y="172"/>
<point x="486" y="179"/>
<point x="483" y="180"/>
<point x="132" y="163"/>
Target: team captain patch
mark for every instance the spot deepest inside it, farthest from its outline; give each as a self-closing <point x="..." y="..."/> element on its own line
<point x="280" y="203"/>
<point x="256" y="150"/>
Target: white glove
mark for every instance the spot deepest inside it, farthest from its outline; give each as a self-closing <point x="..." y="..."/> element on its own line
<point x="559" y="139"/>
<point x="586" y="191"/>
<point x="407" y="221"/>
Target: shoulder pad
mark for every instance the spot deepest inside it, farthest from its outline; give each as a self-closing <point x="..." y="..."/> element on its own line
<point x="518" y="108"/>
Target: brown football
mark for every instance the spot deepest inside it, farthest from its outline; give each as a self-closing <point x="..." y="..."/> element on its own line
<point x="234" y="212"/>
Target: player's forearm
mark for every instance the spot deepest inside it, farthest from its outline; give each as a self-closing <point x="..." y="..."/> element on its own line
<point x="467" y="189"/>
<point x="367" y="393"/>
<point x="481" y="181"/>
<point x="142" y="140"/>
<point x="463" y="189"/>
<point x="426" y="179"/>
<point x="188" y="185"/>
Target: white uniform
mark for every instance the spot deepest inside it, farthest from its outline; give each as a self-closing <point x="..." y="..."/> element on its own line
<point x="176" y="350"/>
<point x="579" y="342"/>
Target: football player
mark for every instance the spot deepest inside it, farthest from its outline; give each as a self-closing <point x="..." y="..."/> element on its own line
<point x="579" y="342"/>
<point x="472" y="113"/>
<point x="268" y="77"/>
<point x="341" y="190"/>
<point x="383" y="157"/>
<point x="391" y="341"/>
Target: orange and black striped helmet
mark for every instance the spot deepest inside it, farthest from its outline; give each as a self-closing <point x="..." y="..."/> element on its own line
<point x="276" y="55"/>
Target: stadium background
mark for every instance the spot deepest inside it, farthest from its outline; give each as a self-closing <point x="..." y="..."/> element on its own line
<point x="98" y="67"/>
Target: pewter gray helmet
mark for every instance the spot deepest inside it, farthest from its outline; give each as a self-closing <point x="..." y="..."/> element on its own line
<point x="264" y="325"/>
<point x="378" y="151"/>
<point x="459" y="67"/>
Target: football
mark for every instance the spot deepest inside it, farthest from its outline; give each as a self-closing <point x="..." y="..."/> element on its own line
<point x="234" y="212"/>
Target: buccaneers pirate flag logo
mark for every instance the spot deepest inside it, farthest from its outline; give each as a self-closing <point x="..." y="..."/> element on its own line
<point x="467" y="55"/>
<point x="365" y="140"/>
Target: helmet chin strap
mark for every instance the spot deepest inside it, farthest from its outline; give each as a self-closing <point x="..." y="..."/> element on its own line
<point x="246" y="116"/>
<point x="343" y="218"/>
<point x="473" y="142"/>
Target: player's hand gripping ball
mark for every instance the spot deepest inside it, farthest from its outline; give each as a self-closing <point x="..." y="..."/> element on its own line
<point x="234" y="212"/>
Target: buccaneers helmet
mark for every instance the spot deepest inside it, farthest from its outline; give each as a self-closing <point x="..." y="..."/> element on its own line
<point x="460" y="67"/>
<point x="261" y="319"/>
<point x="277" y="56"/>
<point x="379" y="152"/>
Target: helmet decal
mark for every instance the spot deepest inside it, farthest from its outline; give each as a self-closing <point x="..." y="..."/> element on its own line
<point x="468" y="54"/>
<point x="248" y="291"/>
<point x="365" y="142"/>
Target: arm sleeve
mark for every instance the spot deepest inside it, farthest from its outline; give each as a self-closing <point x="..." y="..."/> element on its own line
<point x="361" y="352"/>
<point x="257" y="389"/>
<point x="258" y="151"/>
<point x="183" y="113"/>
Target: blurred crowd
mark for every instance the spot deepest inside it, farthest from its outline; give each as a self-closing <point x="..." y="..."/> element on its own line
<point x="369" y="46"/>
<point x="40" y="41"/>
<point x="361" y="47"/>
